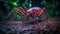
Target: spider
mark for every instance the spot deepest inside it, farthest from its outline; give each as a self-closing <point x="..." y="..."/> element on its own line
<point x="35" y="12"/>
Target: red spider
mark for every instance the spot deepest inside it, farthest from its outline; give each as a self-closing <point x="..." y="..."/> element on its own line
<point x="36" y="13"/>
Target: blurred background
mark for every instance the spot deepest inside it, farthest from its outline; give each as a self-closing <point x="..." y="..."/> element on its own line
<point x="6" y="6"/>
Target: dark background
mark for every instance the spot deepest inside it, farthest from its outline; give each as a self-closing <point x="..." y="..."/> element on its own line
<point x="52" y="6"/>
